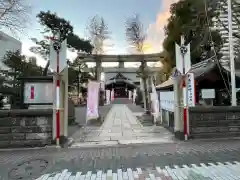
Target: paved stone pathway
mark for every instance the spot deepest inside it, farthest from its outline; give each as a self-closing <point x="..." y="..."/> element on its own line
<point x="122" y="127"/>
<point x="210" y="171"/>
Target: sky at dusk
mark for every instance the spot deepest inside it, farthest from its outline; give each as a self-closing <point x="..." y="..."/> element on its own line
<point x="153" y="14"/>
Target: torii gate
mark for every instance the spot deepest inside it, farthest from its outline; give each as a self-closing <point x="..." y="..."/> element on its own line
<point x="130" y="73"/>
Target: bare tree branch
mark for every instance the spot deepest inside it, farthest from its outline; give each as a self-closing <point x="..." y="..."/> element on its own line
<point x="136" y="37"/>
<point x="98" y="33"/>
<point x="135" y="33"/>
<point x="14" y="15"/>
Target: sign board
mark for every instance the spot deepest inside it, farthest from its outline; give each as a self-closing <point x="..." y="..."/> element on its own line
<point x="191" y="90"/>
<point x="38" y="93"/>
<point x="167" y="100"/>
<point x="208" y="93"/>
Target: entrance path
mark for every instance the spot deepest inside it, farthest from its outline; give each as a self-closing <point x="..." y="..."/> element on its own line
<point x="122" y="127"/>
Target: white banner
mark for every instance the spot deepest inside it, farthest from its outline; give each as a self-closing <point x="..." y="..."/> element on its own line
<point x="191" y="90"/>
<point x="129" y="95"/>
<point x="62" y="56"/>
<point x="112" y="95"/>
<point x="134" y="95"/>
<point x="155" y="101"/>
<point x="108" y="96"/>
<point x="180" y="58"/>
<point x="92" y="100"/>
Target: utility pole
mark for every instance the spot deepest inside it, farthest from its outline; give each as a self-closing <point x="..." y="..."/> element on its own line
<point x="231" y="54"/>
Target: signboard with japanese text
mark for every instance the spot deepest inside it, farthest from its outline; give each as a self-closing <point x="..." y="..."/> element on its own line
<point x="38" y="93"/>
<point x="191" y="90"/>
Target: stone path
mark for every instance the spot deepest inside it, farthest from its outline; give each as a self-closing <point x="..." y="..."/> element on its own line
<point x="210" y="171"/>
<point x="122" y="127"/>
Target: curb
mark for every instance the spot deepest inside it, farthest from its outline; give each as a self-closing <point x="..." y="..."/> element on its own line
<point x="33" y="148"/>
<point x="116" y="144"/>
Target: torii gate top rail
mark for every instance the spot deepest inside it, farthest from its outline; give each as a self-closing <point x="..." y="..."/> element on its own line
<point x="122" y="58"/>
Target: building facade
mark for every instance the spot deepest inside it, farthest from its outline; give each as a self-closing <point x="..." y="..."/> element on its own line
<point x="8" y="43"/>
<point x="222" y="27"/>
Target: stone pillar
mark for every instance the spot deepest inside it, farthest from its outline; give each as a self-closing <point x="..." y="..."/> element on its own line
<point x="98" y="69"/>
<point x="121" y="64"/>
<point x="178" y="110"/>
<point x="62" y="106"/>
<point x="143" y="93"/>
<point x="65" y="133"/>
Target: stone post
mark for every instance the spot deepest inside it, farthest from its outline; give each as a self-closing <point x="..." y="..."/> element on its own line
<point x="121" y="64"/>
<point x="98" y="70"/>
<point x="65" y="133"/>
<point x="178" y="110"/>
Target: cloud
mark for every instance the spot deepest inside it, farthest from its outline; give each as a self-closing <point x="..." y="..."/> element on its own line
<point x="155" y="31"/>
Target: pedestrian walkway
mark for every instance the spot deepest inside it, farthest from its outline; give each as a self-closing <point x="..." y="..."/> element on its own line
<point x="210" y="171"/>
<point x="122" y="127"/>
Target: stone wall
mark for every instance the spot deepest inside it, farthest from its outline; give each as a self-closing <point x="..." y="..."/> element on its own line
<point x="214" y="122"/>
<point x="25" y="128"/>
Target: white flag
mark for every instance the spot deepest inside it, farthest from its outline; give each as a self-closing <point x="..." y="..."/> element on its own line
<point x="62" y="56"/>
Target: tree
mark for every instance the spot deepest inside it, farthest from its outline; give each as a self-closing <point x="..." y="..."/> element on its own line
<point x="98" y="33"/>
<point x="20" y="66"/>
<point x="14" y="15"/>
<point x="136" y="37"/>
<point x="53" y="24"/>
<point x="189" y="18"/>
<point x="76" y="75"/>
